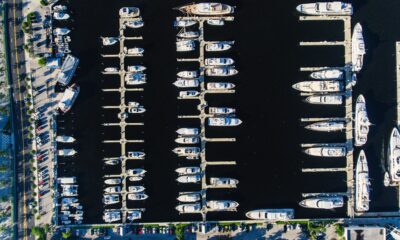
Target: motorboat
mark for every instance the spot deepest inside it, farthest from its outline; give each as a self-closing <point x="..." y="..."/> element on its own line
<point x="114" y="189"/>
<point x="184" y="23"/>
<point x="109" y="199"/>
<point x="136" y="68"/>
<point x="137" y="196"/>
<point x="221" y="110"/>
<point x="136" y="172"/>
<point x="358" y="48"/>
<point x="224" y="182"/>
<point x="65" y="139"/>
<point x="188" y="74"/>
<point x="188" y="94"/>
<point x="207" y="9"/>
<point x="224" y="121"/>
<point x="326" y="8"/>
<point x="135" y="76"/>
<point x="189" y="197"/>
<point x="135" y="81"/>
<point x="216" y="22"/>
<point x="327" y="126"/>
<point x="188" y="131"/>
<point x="394" y="156"/>
<point x="186" y="83"/>
<point x="129" y="12"/>
<point x="188" y="170"/>
<point x="185" y="46"/>
<point x="112" y="181"/>
<point x="111" y="70"/>
<point x="219" y="62"/>
<point x="68" y="200"/>
<point x="66" y="152"/>
<point x="187" y="140"/>
<point x="218" y="46"/>
<point x="134" y="24"/>
<point x="319" y="86"/>
<point x="326" y="151"/>
<point x="188" y="34"/>
<point x="362" y="184"/>
<point x="279" y="214"/>
<point x="133" y="215"/>
<point x="187" y="151"/>
<point x="110" y="216"/>
<point x="136" y="189"/>
<point x="189" y="178"/>
<point x="135" y="179"/>
<point x="133" y="104"/>
<point x="59" y="8"/>
<point x="109" y="41"/>
<point x="61" y="16"/>
<point x="222" y="205"/>
<point x="330" y="99"/>
<point x="221" y="71"/>
<point x="61" y="31"/>
<point x="189" y="208"/>
<point x="134" y="51"/>
<point x="68" y="99"/>
<point x="136" y="155"/>
<point x="322" y="202"/>
<point x="136" y="110"/>
<point x="111" y="162"/>
<point x="220" y="86"/>
<point x="330" y="74"/>
<point x="361" y="122"/>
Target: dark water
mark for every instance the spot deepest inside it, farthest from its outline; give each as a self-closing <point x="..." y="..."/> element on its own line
<point x="267" y="151"/>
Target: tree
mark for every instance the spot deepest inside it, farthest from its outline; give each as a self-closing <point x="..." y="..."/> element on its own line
<point x="46" y="228"/>
<point x="44" y="2"/>
<point x="66" y="234"/>
<point x="39" y="233"/>
<point x="42" y="62"/>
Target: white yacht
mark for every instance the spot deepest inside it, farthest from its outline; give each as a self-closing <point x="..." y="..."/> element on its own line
<point x="61" y="16"/>
<point x="361" y="122"/>
<point x="135" y="81"/>
<point x="136" y="189"/>
<point x="221" y="71"/>
<point x="331" y="99"/>
<point x="136" y="172"/>
<point x="134" y="24"/>
<point x="224" y="121"/>
<point x="66" y="152"/>
<point x="319" y="86"/>
<point x="222" y="205"/>
<point x="186" y="83"/>
<point x="326" y="8"/>
<point x="331" y="74"/>
<point x="326" y="151"/>
<point x="188" y="94"/>
<point x="189" y="208"/>
<point x="218" y="46"/>
<point x="110" y="216"/>
<point x="109" y="41"/>
<point x="61" y="31"/>
<point x="322" y="202"/>
<point x="358" y="48"/>
<point x="189" y="178"/>
<point x="112" y="181"/>
<point x="188" y="34"/>
<point x="220" y="85"/>
<point x="207" y="9"/>
<point x="362" y="184"/>
<point x="187" y="140"/>
<point x="219" y="61"/>
<point x="327" y="126"/>
<point x="271" y="214"/>
<point x="189" y="197"/>
<point x="68" y="99"/>
<point x="109" y="199"/>
<point x="111" y="70"/>
<point x="114" y="189"/>
<point x="188" y="74"/>
<point x="185" y="46"/>
<point x="135" y="76"/>
<point x="224" y="182"/>
<point x="188" y="170"/>
<point x="134" y="215"/>
<point x="216" y="22"/>
<point x="136" y="68"/>
<point x="221" y="110"/>
<point x="184" y="23"/>
<point x="136" y="110"/>
<point x="188" y="131"/>
<point x="394" y="155"/>
<point x="129" y="12"/>
<point x="59" y="8"/>
<point x="65" y="139"/>
<point x="68" y="200"/>
<point x="134" y="51"/>
<point x="135" y="178"/>
<point x="137" y="196"/>
<point x="136" y="155"/>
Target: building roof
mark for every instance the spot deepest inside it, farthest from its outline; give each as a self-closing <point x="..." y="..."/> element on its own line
<point x="365" y="233"/>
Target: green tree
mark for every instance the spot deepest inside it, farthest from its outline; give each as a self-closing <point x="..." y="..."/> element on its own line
<point x="66" y="234"/>
<point x="39" y="233"/>
<point x="42" y="61"/>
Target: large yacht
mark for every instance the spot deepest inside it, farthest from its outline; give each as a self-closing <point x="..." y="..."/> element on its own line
<point x="394" y="156"/>
<point x="331" y="74"/>
<point x="331" y="99"/>
<point x="129" y="12"/>
<point x="68" y="98"/>
<point x="326" y="151"/>
<point x="361" y="122"/>
<point x="207" y="9"/>
<point x="220" y="86"/>
<point x="189" y="197"/>
<point x="224" y="121"/>
<point x="186" y="83"/>
<point x="189" y="178"/>
<point x="224" y="182"/>
<point x="325" y="8"/>
<point x="110" y="216"/>
<point x="65" y="139"/>
<point x="219" y="61"/>
<point x="189" y="208"/>
<point x="109" y="199"/>
<point x="358" y="48"/>
<point x="319" y="86"/>
<point x="271" y="214"/>
<point x="187" y="151"/>
<point x="222" y="205"/>
<point x="322" y="202"/>
<point x="137" y="196"/>
<point x="327" y="126"/>
<point x="188" y="131"/>
<point x="362" y="184"/>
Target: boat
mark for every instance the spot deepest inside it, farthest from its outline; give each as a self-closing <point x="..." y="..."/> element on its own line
<point x="65" y="139"/>
<point x="135" y="179"/>
<point x="361" y="122"/>
<point x="188" y="131"/>
<point x="224" y="121"/>
<point x="358" y="48"/>
<point x="184" y="23"/>
<point x="134" y="51"/>
<point x="61" y="31"/>
<point x="136" y="68"/>
<point x="136" y="155"/>
<point x="136" y="110"/>
<point x="186" y="83"/>
<point x="187" y="151"/>
<point x="362" y="184"/>
<point x="207" y="9"/>
<point x="221" y="110"/>
<point x="188" y="94"/>
<point x="189" y="197"/>
<point x="331" y="99"/>
<point x="68" y="98"/>
<point x="115" y="189"/>
<point x="187" y="74"/>
<point x="188" y="34"/>
<point x="59" y="8"/>
<point x="112" y="181"/>
<point x="282" y="214"/>
<point x="319" y="86"/>
<point x="133" y="215"/>
<point x="220" y="85"/>
<point x="394" y="156"/>
<point x="219" y="61"/>
<point x="135" y="76"/>
<point x="185" y="46"/>
<point x="218" y="46"/>
<point x="111" y="70"/>
<point x="327" y="126"/>
<point x="137" y="81"/>
<point x="112" y="162"/>
<point x="326" y="8"/>
<point x="66" y="152"/>
<point x="188" y="170"/>
<point x="134" y="24"/>
<point x="61" y="16"/>
<point x="111" y="216"/>
<point x="189" y="208"/>
<point x="109" y="41"/>
<point x="136" y="189"/>
<point x="386" y="179"/>
<point x="187" y="140"/>
<point x="137" y="196"/>
<point x="129" y="12"/>
<point x="322" y="202"/>
<point x="189" y="178"/>
<point x="330" y="74"/>
<point x="68" y="200"/>
<point x="136" y="172"/>
<point x="224" y="182"/>
<point x="221" y="71"/>
<point x="326" y="151"/>
<point x="66" y="222"/>
<point x="109" y="199"/>
<point x="222" y="205"/>
<point x="216" y="22"/>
